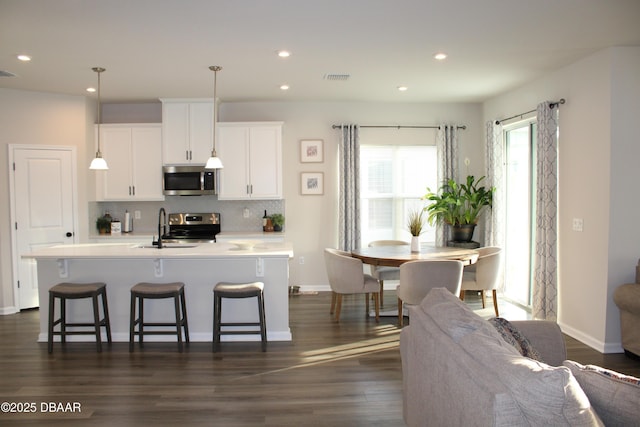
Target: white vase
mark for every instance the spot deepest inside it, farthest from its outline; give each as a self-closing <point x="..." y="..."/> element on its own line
<point x="415" y="243"/>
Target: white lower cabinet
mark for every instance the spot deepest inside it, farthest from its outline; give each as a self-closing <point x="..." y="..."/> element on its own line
<point x="134" y="155"/>
<point x="252" y="156"/>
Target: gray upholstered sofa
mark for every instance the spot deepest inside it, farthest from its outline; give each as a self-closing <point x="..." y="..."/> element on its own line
<point x="459" y="370"/>
<point x="627" y="298"/>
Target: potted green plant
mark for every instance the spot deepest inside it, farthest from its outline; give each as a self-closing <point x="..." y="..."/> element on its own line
<point x="103" y="224"/>
<point x="459" y="205"/>
<point x="278" y="221"/>
<point x="415" y="224"/>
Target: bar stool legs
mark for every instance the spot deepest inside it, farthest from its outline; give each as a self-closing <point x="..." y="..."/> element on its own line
<point x="142" y="291"/>
<point x="64" y="291"/>
<point x="238" y="290"/>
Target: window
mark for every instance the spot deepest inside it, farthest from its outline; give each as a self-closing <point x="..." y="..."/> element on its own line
<point x="520" y="208"/>
<point x="393" y="180"/>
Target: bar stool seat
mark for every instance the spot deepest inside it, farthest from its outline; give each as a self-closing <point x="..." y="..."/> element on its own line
<point x="238" y="290"/>
<point x="65" y="291"/>
<point x="142" y="291"/>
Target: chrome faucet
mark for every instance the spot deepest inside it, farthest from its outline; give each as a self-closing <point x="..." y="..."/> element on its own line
<point x="162" y="226"/>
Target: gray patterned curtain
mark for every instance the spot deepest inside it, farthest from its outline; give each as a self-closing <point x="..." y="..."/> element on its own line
<point x="349" y="202"/>
<point x="447" y="146"/>
<point x="545" y="285"/>
<point x="494" y="219"/>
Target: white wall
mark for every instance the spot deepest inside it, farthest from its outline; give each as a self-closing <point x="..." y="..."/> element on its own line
<point x="311" y="221"/>
<point x="35" y="118"/>
<point x="597" y="150"/>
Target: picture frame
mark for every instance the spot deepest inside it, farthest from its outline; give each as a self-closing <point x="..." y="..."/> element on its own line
<point x="312" y="183"/>
<point x="311" y="151"/>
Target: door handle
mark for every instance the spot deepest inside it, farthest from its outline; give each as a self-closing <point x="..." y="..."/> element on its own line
<point x="69" y="234"/>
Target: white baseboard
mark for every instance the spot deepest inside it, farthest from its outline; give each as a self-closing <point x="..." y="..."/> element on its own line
<point x="598" y="345"/>
<point x="8" y="310"/>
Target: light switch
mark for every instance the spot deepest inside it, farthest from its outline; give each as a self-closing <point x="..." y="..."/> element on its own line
<point x="578" y="224"/>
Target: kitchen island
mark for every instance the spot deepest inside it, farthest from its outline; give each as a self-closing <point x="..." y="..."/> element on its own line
<point x="198" y="266"/>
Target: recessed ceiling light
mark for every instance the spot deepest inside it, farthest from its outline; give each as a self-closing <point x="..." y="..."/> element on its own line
<point x="284" y="53"/>
<point x="440" y="56"/>
<point x="91" y="89"/>
<point x="402" y="88"/>
<point x="24" y="58"/>
<point x="284" y="87"/>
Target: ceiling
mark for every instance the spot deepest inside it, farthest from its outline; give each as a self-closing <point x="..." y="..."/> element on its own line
<point x="163" y="48"/>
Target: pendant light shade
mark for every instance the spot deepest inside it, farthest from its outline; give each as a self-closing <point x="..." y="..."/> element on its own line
<point x="98" y="163"/>
<point x="214" y="161"/>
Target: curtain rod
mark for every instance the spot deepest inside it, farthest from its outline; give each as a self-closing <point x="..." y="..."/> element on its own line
<point x="552" y="105"/>
<point x="400" y="127"/>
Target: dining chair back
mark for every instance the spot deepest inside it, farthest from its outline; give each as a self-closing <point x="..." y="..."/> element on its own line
<point x="383" y="273"/>
<point x="347" y="277"/>
<point x="417" y="278"/>
<point x="484" y="275"/>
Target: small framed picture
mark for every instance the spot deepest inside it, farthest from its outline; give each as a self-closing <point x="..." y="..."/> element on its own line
<point x="311" y="183"/>
<point x="311" y="151"/>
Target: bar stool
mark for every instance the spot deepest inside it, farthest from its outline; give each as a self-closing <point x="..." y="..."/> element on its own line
<point x="65" y="291"/>
<point x="142" y="291"/>
<point x="238" y="290"/>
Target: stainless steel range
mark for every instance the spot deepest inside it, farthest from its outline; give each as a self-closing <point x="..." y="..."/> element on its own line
<point x="192" y="227"/>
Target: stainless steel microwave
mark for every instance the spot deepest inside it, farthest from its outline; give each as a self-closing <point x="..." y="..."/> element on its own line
<point x="187" y="181"/>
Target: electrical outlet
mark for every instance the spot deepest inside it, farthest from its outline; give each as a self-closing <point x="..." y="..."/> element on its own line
<point x="137" y="214"/>
<point x="578" y="224"/>
<point x="301" y="260"/>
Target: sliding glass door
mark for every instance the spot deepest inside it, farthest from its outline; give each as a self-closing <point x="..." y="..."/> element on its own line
<point x="520" y="208"/>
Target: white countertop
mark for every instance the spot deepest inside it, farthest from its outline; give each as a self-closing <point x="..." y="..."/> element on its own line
<point x="131" y="251"/>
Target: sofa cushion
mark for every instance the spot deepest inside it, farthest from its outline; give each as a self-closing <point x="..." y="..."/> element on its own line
<point x="513" y="336"/>
<point x="616" y="397"/>
<point x="453" y="316"/>
<point x="544" y="395"/>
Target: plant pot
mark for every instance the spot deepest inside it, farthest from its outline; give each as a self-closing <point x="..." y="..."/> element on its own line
<point x="462" y="233"/>
<point x="415" y="244"/>
<point x="277" y="227"/>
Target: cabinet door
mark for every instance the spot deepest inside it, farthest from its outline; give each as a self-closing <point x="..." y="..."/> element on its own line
<point x="116" y="150"/>
<point x="175" y="133"/>
<point x="200" y="131"/>
<point x="232" y="148"/>
<point x="147" y="163"/>
<point x="265" y="162"/>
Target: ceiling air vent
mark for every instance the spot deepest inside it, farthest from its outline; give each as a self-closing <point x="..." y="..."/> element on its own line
<point x="5" y="73"/>
<point x="338" y="77"/>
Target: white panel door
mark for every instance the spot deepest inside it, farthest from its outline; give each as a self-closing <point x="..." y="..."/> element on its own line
<point x="44" y="210"/>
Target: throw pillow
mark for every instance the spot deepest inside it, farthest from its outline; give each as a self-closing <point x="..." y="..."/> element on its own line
<point x="615" y="397"/>
<point x="513" y="336"/>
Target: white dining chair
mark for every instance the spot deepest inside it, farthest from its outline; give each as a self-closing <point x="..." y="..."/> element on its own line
<point x="483" y="275"/>
<point x="346" y="276"/>
<point x="383" y="273"/>
<point x="417" y="278"/>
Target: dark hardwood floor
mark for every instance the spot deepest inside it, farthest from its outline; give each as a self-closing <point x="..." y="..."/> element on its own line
<point x="345" y="374"/>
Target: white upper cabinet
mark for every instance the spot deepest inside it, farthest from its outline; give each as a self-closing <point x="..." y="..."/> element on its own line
<point x="187" y="126"/>
<point x="251" y="153"/>
<point x="134" y="155"/>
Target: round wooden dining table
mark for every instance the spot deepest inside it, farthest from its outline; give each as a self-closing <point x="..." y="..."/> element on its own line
<point x="396" y="255"/>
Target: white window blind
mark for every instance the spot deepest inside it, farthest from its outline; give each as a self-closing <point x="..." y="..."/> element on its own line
<point x="394" y="178"/>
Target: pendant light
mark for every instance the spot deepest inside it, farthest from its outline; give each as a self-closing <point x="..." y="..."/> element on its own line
<point x="214" y="161"/>
<point x="98" y="163"/>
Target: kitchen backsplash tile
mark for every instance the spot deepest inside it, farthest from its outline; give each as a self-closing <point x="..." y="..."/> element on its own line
<point x="231" y="211"/>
